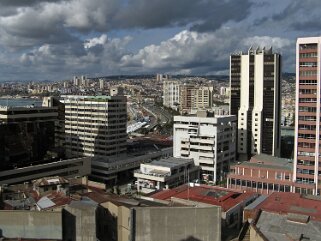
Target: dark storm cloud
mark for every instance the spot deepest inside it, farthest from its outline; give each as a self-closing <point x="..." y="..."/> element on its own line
<point x="300" y="16"/>
<point x="204" y="15"/>
<point x="57" y="39"/>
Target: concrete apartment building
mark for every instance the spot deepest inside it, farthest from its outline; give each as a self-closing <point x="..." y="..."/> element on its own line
<point x="186" y="92"/>
<point x="202" y="97"/>
<point x="307" y="157"/>
<point x="95" y="125"/>
<point x="171" y="92"/>
<point x="209" y="140"/>
<point x="263" y="174"/>
<point x="255" y="86"/>
<point x="165" y="173"/>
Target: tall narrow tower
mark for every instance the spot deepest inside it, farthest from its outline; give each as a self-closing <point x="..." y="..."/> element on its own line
<point x="307" y="158"/>
<point x="255" y="98"/>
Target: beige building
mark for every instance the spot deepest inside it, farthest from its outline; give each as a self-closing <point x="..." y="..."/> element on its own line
<point x="186" y="92"/>
<point x="202" y="97"/>
<point x="95" y="125"/>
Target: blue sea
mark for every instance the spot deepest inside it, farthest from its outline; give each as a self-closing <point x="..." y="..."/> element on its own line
<point x="20" y="102"/>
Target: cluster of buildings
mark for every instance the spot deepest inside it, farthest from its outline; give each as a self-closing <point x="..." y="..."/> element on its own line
<point x="186" y="97"/>
<point x="85" y="135"/>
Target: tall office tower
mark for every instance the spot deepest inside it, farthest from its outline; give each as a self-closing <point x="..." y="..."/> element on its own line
<point x="255" y="87"/>
<point x="202" y="97"/>
<point x="60" y="122"/>
<point x="208" y="139"/>
<point x="27" y="134"/>
<point x="185" y="97"/>
<point x="76" y="81"/>
<point x="101" y="84"/>
<point x="171" y="93"/>
<point x="307" y="157"/>
<point x="95" y="125"/>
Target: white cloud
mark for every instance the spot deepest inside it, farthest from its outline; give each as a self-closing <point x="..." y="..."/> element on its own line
<point x="89" y="43"/>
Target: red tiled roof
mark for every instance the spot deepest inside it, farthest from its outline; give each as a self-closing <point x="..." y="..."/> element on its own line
<point x="285" y="202"/>
<point x="217" y="196"/>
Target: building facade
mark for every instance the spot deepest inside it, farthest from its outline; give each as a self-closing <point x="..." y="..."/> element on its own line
<point x="27" y="135"/>
<point x="262" y="174"/>
<point x="209" y="140"/>
<point x="171" y="93"/>
<point x="95" y="125"/>
<point x="202" y="97"/>
<point x="165" y="173"/>
<point x="186" y="96"/>
<point x="255" y="98"/>
<point x="307" y="158"/>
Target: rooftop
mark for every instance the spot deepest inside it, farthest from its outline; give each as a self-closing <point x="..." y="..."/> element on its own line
<point x="266" y="161"/>
<point x="285" y="203"/>
<point x="217" y="196"/>
<point x="171" y="162"/>
<point x="280" y="227"/>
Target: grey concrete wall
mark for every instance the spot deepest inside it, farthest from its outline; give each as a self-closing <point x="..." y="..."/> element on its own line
<point x="177" y="224"/>
<point x="80" y="223"/>
<point x="31" y="224"/>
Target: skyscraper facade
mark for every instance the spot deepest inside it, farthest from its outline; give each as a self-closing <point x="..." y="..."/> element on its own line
<point x="255" y="86"/>
<point x="307" y="157"/>
<point x="171" y="93"/>
<point x="95" y="125"/>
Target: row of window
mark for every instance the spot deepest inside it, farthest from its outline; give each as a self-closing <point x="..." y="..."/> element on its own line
<point x="308" y="73"/>
<point x="308" y="64"/>
<point x="308" y="82"/>
<point x="308" y="55"/>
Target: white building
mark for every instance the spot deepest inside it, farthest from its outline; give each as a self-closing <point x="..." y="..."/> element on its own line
<point x="165" y="174"/>
<point x="209" y="140"/>
<point x="101" y="84"/>
<point x="95" y="125"/>
<point x="171" y="93"/>
<point x="256" y="100"/>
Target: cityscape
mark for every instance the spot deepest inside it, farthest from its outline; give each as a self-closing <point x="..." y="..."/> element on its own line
<point x="160" y="121"/>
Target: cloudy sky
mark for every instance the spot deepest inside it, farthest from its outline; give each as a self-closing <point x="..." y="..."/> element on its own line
<point x="56" y="39"/>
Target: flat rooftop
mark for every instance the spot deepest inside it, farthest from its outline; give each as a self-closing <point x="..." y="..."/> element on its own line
<point x="280" y="227"/>
<point x="170" y="162"/>
<point x="216" y="196"/>
<point x="267" y="161"/>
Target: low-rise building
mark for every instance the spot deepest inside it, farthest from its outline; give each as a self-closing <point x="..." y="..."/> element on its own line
<point x="232" y="203"/>
<point x="165" y="173"/>
<point x="147" y="219"/>
<point x="109" y="170"/>
<point x="263" y="173"/>
<point x="283" y="217"/>
<point x="76" y="167"/>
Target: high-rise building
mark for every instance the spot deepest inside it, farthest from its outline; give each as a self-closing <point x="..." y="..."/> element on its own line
<point x="209" y="140"/>
<point x="76" y="81"/>
<point x="255" y="87"/>
<point x="307" y="157"/>
<point x="27" y="134"/>
<point x="171" y="93"/>
<point x="202" y="97"/>
<point x="186" y="92"/>
<point x="95" y="125"/>
<point x="101" y="84"/>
